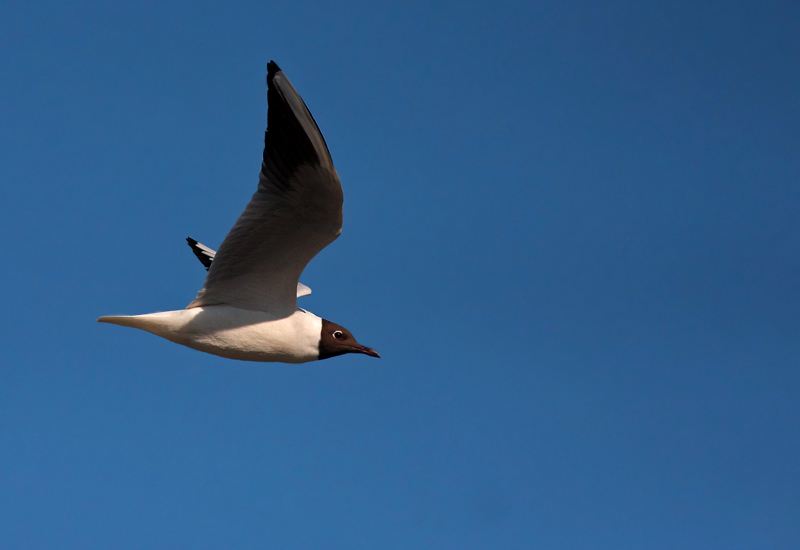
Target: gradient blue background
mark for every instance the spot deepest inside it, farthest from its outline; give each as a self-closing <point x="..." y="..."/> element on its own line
<point x="571" y="229"/>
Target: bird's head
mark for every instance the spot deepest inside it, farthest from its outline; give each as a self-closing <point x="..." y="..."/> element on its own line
<point x="336" y="340"/>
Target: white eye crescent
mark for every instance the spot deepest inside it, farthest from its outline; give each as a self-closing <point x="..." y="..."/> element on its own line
<point x="338" y="334"/>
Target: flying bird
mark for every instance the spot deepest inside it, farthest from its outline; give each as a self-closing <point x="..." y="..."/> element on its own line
<point x="247" y="308"/>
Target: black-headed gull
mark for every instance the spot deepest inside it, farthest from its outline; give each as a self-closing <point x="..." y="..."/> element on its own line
<point x="247" y="308"/>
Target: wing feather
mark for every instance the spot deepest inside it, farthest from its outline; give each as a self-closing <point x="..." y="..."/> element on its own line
<point x="295" y="212"/>
<point x="206" y="257"/>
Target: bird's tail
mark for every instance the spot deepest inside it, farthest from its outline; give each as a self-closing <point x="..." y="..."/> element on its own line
<point x="143" y="322"/>
<point x="157" y="323"/>
<point x="122" y="320"/>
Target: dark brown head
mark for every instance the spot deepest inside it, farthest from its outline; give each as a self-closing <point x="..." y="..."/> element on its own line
<point x="336" y="340"/>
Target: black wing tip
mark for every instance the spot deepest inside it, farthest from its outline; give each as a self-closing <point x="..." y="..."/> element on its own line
<point x="204" y="259"/>
<point x="272" y="69"/>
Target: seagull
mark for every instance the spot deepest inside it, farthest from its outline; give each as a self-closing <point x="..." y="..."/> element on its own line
<point x="247" y="308"/>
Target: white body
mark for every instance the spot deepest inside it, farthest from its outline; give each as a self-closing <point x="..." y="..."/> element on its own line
<point x="234" y="333"/>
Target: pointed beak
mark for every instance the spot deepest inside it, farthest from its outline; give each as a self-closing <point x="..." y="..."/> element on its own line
<point x="367" y="351"/>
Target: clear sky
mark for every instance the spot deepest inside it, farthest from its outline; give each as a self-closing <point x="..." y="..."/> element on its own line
<point x="571" y="229"/>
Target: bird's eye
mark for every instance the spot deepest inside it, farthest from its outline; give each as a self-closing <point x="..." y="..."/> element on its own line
<point x="338" y="334"/>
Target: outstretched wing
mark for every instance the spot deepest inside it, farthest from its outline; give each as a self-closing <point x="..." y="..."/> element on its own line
<point x="295" y="213"/>
<point x="206" y="257"/>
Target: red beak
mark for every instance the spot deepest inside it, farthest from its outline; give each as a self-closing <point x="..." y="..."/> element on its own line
<point x="368" y="351"/>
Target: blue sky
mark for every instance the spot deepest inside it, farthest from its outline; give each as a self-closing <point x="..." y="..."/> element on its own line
<point x="571" y="230"/>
